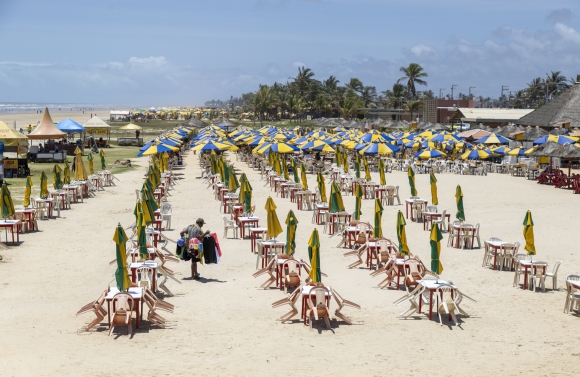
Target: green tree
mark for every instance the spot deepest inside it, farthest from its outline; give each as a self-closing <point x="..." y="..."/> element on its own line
<point x="414" y="107"/>
<point x="413" y="75"/>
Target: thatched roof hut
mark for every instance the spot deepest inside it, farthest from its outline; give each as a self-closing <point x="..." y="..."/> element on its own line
<point x="564" y="108"/>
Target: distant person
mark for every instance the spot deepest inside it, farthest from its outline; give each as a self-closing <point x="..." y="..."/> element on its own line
<point x="137" y="133"/>
<point x="56" y="150"/>
<point x="40" y="148"/>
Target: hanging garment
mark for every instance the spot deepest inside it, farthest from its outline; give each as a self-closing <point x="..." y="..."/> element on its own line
<point x="209" y="244"/>
<point x="217" y="243"/>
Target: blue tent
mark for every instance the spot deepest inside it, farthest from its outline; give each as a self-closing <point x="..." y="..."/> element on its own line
<point x="69" y="125"/>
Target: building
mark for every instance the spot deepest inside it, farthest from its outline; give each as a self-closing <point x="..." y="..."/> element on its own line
<point x="563" y="110"/>
<point x="488" y="117"/>
<point x="120" y="116"/>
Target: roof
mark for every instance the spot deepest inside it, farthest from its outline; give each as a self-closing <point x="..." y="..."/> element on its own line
<point x="46" y="129"/>
<point x="96" y="122"/>
<point x="120" y="112"/>
<point x="69" y="125"/>
<point x="10" y="137"/>
<point x="482" y="115"/>
<point x="474" y="134"/>
<point x="564" y="108"/>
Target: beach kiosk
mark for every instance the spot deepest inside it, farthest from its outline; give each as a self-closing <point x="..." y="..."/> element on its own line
<point x="47" y="131"/>
<point x="15" y="145"/>
<point x="100" y="132"/>
<point x="71" y="128"/>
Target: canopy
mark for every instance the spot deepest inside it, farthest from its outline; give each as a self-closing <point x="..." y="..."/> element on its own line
<point x="69" y="125"/>
<point x="46" y="129"/>
<point x="10" y="137"/>
<point x="493" y="139"/>
<point x="130" y="126"/>
<point x="96" y="123"/>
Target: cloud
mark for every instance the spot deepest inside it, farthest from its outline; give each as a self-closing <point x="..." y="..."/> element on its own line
<point x="560" y="15"/>
<point x="567" y="32"/>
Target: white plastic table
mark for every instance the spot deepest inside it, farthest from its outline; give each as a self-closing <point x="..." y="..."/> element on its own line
<point x="136" y="293"/>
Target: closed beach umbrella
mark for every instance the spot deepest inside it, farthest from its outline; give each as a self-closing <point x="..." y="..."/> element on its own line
<point x="7" y="205"/>
<point x="141" y="234"/>
<point x="345" y="162"/>
<point x="529" y="234"/>
<point x="102" y="154"/>
<point x="357" y="166"/>
<point x="295" y="171"/>
<point x="233" y="183"/>
<point x="433" y="182"/>
<point x="314" y="255"/>
<point x="335" y="204"/>
<point x="273" y="228"/>
<point x="57" y="181"/>
<point x="459" y="199"/>
<point x="291" y="223"/>
<point x="277" y="167"/>
<point x="91" y="167"/>
<point x="66" y="173"/>
<point x="80" y="171"/>
<point x="378" y="231"/>
<point x="358" y="192"/>
<point x="303" y="176"/>
<point x="246" y="196"/>
<point x="367" y="170"/>
<point x="383" y="181"/>
<point x="435" y="241"/>
<point x="43" y="185"/>
<point x="285" y="169"/>
<point x="321" y="187"/>
<point x="411" y="175"/>
<point x="27" y="191"/>
<point x="401" y="235"/>
<point x="244" y="178"/>
<point x="121" y="274"/>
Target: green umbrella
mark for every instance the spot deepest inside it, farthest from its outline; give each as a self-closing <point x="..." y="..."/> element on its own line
<point x="411" y="175"/>
<point x="378" y="231"/>
<point x="358" y="193"/>
<point x="141" y="234"/>
<point x="91" y="168"/>
<point x="57" y="182"/>
<point x="43" y="186"/>
<point x="433" y="182"/>
<point x="401" y="235"/>
<point x="321" y="187"/>
<point x="102" y="154"/>
<point x="382" y="172"/>
<point x="246" y="196"/>
<point x="357" y="166"/>
<point x="529" y="234"/>
<point x="367" y="170"/>
<point x="66" y="173"/>
<point x="303" y="176"/>
<point x="291" y="223"/>
<point x="459" y="199"/>
<point x="335" y="204"/>
<point x="121" y="274"/>
<point x="295" y="171"/>
<point x="233" y="183"/>
<point x="314" y="255"/>
<point x="435" y="241"/>
<point x="7" y="204"/>
<point x="285" y="169"/>
<point x="244" y="178"/>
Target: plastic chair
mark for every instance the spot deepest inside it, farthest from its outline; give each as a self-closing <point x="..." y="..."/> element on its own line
<point x="123" y="304"/>
<point x="230" y="224"/>
<point x="166" y="209"/>
<point x="95" y="307"/>
<point x="318" y="308"/>
<point x="442" y="222"/>
<point x="554" y="274"/>
<point x="537" y="277"/>
<point x="341" y="302"/>
<point x="572" y="293"/>
<point x="290" y="300"/>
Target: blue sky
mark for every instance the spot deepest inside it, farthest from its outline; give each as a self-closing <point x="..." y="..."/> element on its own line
<point x="186" y="52"/>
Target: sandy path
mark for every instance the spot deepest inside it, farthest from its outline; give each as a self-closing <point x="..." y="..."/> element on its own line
<point x="225" y="326"/>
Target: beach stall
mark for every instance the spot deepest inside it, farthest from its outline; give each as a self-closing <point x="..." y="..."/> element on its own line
<point x="99" y="130"/>
<point x="70" y="127"/>
<point x="51" y="150"/>
<point x="138" y="141"/>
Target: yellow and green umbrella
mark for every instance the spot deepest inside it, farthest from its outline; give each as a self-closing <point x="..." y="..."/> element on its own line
<point x="459" y="199"/>
<point x="7" y="204"/>
<point x="345" y="162"/>
<point x="141" y="225"/>
<point x="66" y="180"/>
<point x="358" y="192"/>
<point x="321" y="187"/>
<point x="335" y="204"/>
<point x="401" y="235"/>
<point x="80" y="171"/>
<point x="121" y="274"/>
<point x="529" y="234"/>
<point x="303" y="176"/>
<point x="378" y="231"/>
<point x="291" y="224"/>
<point x="314" y="255"/>
<point x="91" y="168"/>
<point x="367" y="170"/>
<point x="43" y="185"/>
<point x="273" y="224"/>
<point x="295" y="171"/>
<point x="285" y="169"/>
<point x="383" y="181"/>
<point x="357" y="166"/>
<point x="57" y="181"/>
<point x="246" y="195"/>
<point x="233" y="183"/>
<point x="27" y="191"/>
<point x="277" y="167"/>
<point x="411" y="175"/>
<point x="435" y="241"/>
<point x="102" y="154"/>
<point x="433" y="182"/>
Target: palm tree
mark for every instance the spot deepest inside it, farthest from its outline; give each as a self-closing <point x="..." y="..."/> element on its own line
<point x="555" y="84"/>
<point x="413" y="74"/>
<point x="414" y="107"/>
<point x="351" y="104"/>
<point x="574" y="80"/>
<point x="355" y="85"/>
<point x="303" y="79"/>
<point x="369" y="96"/>
<point x="395" y="98"/>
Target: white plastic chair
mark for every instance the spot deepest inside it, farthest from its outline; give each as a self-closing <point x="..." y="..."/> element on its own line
<point x="166" y="210"/>
<point x="230" y="224"/>
<point x="554" y="274"/>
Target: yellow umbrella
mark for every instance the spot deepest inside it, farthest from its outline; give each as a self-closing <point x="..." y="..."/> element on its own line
<point x="91" y="168"/>
<point x="367" y="170"/>
<point x="27" y="191"/>
<point x="314" y="254"/>
<point x="303" y="176"/>
<point x="433" y="182"/>
<point x="383" y="181"/>
<point x="529" y="234"/>
<point x="43" y="185"/>
<point x="121" y="274"/>
<point x="401" y="234"/>
<point x="273" y="228"/>
<point x="66" y="173"/>
<point x="80" y="172"/>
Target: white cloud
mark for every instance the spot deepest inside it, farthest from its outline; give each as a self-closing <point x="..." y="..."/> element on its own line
<point x="298" y="64"/>
<point x="421" y="49"/>
<point x="567" y="32"/>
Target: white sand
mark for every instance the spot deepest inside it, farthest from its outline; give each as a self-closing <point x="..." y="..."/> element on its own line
<point x="226" y="326"/>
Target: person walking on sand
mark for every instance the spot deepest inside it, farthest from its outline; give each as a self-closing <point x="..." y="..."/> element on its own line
<point x="194" y="232"/>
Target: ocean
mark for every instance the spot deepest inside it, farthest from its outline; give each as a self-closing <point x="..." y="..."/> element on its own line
<point x="16" y="107"/>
